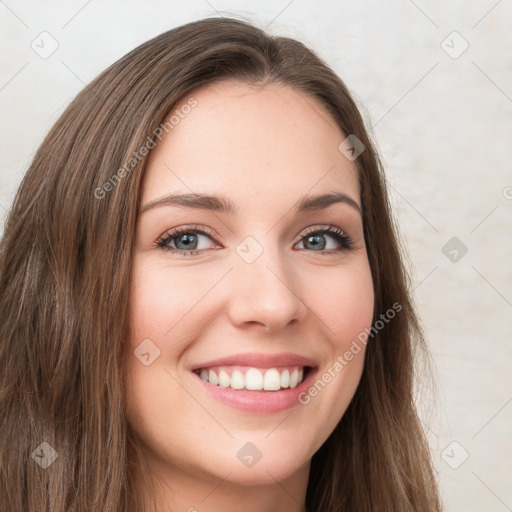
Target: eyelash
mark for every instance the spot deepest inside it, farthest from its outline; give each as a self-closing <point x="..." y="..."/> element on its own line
<point x="163" y="242"/>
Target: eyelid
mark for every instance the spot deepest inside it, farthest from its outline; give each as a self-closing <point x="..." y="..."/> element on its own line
<point x="192" y="228"/>
<point x="317" y="229"/>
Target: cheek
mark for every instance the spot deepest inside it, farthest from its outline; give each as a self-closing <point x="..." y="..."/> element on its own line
<point x="164" y="318"/>
<point x="159" y="307"/>
<point x="345" y="306"/>
<point x="162" y="301"/>
<point x="345" y="303"/>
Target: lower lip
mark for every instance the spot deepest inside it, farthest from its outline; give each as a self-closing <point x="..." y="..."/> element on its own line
<point x="266" y="402"/>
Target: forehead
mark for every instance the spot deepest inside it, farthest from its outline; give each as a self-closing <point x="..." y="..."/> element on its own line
<point x="248" y="142"/>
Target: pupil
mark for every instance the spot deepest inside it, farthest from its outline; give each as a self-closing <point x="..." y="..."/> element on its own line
<point x="316" y="242"/>
<point x="188" y="240"/>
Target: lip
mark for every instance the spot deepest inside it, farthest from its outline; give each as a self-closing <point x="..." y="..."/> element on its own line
<point x="258" y="360"/>
<point x="260" y="402"/>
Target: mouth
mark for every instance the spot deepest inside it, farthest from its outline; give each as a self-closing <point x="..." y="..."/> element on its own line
<point x="253" y="378"/>
<point x="256" y="390"/>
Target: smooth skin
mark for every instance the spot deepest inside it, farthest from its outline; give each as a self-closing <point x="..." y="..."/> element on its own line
<point x="263" y="148"/>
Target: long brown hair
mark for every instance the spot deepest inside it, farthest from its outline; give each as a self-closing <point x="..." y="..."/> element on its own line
<point x="65" y="262"/>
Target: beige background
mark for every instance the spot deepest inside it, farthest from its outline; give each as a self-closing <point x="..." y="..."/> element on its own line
<point x="443" y="122"/>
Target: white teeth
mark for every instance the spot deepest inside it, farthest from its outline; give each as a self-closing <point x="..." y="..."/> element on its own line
<point x="224" y="380"/>
<point x="285" y="379"/>
<point x="293" y="378"/>
<point x="254" y="379"/>
<point x="212" y="377"/>
<point x="237" y="380"/>
<point x="272" y="380"/>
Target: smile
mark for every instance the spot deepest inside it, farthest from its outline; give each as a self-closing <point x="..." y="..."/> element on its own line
<point x="253" y="379"/>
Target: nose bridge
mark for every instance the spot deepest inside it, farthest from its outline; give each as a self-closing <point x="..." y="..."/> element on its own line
<point x="263" y="285"/>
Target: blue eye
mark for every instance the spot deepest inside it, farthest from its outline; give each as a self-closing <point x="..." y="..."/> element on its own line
<point x="183" y="240"/>
<point x="316" y="237"/>
<point x="186" y="240"/>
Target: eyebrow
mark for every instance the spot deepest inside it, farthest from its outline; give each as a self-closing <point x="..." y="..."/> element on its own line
<point x="225" y="205"/>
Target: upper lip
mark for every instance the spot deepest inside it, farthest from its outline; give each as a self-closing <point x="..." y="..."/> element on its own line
<point x="258" y="360"/>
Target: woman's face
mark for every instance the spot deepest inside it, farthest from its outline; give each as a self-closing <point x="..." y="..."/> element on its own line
<point x="249" y="292"/>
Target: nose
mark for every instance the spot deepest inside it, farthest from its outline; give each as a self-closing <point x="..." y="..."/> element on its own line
<point x="264" y="293"/>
